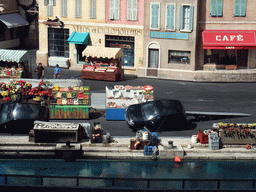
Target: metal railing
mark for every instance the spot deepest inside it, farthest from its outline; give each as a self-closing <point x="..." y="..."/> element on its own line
<point x="125" y="183"/>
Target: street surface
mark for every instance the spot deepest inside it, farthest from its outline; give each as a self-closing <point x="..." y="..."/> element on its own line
<point x="207" y="97"/>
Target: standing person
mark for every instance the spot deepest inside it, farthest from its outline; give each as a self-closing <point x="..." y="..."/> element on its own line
<point x="56" y="72"/>
<point x="40" y="71"/>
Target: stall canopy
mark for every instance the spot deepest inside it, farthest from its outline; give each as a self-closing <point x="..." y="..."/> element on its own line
<point x="14" y="55"/>
<point x="104" y="52"/>
<point x="229" y="39"/>
<point x="13" y="20"/>
<point x="79" y="38"/>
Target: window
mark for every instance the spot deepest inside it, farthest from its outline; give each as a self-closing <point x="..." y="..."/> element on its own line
<point x="63" y="8"/>
<point x="114" y="9"/>
<point x="50" y="7"/>
<point x="93" y="9"/>
<point x="170" y="16"/>
<point x="216" y="8"/>
<point x="186" y="17"/>
<point x="78" y="8"/>
<point x="46" y="2"/>
<point x="57" y="42"/>
<point x="182" y="57"/>
<point x="240" y="8"/>
<point x="132" y="10"/>
<point x="155" y="16"/>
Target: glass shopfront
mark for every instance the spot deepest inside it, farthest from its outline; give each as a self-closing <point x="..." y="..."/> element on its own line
<point x="126" y="44"/>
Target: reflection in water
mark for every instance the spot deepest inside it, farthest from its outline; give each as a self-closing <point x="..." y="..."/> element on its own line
<point x="132" y="169"/>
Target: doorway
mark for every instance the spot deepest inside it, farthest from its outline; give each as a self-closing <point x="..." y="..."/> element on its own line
<point x="153" y="62"/>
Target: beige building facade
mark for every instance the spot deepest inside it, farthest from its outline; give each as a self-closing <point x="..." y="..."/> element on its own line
<point x="86" y="18"/>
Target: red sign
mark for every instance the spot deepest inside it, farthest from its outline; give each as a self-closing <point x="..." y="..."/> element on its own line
<point x="228" y="38"/>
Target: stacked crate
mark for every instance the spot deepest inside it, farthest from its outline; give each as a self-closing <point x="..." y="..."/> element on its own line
<point x="214" y="141"/>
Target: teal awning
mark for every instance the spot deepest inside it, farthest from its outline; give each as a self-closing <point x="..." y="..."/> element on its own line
<point x="79" y="38"/>
<point x="14" y="55"/>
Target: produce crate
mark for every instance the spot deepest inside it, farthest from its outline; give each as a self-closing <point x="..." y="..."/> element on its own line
<point x="142" y="144"/>
<point x="69" y="112"/>
<point x="202" y="138"/>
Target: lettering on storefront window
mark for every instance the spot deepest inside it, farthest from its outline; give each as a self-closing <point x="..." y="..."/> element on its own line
<point x="229" y="38"/>
<point x="112" y="31"/>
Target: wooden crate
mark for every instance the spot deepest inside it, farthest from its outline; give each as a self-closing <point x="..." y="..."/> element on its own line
<point x="69" y="112"/>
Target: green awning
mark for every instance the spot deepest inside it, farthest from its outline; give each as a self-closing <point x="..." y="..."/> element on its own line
<point x="79" y="38"/>
<point x="14" y="55"/>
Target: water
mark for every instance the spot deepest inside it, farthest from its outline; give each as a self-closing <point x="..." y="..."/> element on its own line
<point x="126" y="169"/>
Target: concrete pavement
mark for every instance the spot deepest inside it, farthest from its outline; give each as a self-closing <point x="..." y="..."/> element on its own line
<point x="13" y="146"/>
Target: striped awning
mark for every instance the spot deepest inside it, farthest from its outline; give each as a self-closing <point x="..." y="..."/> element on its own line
<point x="104" y="52"/>
<point x="14" y="55"/>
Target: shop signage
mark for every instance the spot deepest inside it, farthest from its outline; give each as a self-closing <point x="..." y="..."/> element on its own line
<point x="168" y="35"/>
<point x="54" y="22"/>
<point x="106" y="30"/>
<point x="229" y="38"/>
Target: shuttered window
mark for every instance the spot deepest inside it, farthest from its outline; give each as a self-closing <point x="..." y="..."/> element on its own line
<point x="240" y="8"/>
<point x="50" y="7"/>
<point x="186" y="17"/>
<point x="78" y="8"/>
<point x="93" y="9"/>
<point x="216" y="8"/>
<point x="170" y="16"/>
<point x="132" y="10"/>
<point x="155" y="16"/>
<point x="63" y="8"/>
<point x="46" y="2"/>
<point x="114" y="7"/>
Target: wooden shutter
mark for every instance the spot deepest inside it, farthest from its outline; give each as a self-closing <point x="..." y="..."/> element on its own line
<point x="92" y="9"/>
<point x="181" y="18"/>
<point x="243" y="8"/>
<point x="63" y="8"/>
<point x="191" y="18"/>
<point x="219" y="8"/>
<point x="54" y="2"/>
<point x="117" y="9"/>
<point x="111" y="7"/>
<point x="154" y="15"/>
<point x="170" y="17"/>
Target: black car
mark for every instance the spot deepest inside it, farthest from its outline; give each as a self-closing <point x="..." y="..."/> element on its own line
<point x="22" y="115"/>
<point x="158" y="115"/>
<point x="169" y="115"/>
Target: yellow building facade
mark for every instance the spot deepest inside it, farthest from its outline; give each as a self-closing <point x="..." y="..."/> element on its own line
<point x="60" y="19"/>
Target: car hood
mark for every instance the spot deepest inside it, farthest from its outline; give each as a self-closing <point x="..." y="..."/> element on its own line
<point x="21" y="111"/>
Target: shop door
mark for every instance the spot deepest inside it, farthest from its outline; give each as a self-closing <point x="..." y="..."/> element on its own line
<point x="153" y="62"/>
<point x="242" y="57"/>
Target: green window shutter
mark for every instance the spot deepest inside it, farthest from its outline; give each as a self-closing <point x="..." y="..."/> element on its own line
<point x="63" y="8"/>
<point x="237" y="8"/>
<point x="191" y="18"/>
<point x="135" y="10"/>
<point x="170" y="17"/>
<point x="216" y="8"/>
<point x="92" y="9"/>
<point x="220" y="8"/>
<point x="243" y="8"/>
<point x="78" y="8"/>
<point x="154" y="16"/>
<point x="181" y="18"/>
<point x="129" y="9"/>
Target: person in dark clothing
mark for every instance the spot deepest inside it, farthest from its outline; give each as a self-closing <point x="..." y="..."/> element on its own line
<point x="40" y="71"/>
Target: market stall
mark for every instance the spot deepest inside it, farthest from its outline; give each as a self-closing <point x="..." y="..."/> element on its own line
<point x="14" y="64"/>
<point x="103" y="63"/>
<point x="119" y="97"/>
<point x="70" y="103"/>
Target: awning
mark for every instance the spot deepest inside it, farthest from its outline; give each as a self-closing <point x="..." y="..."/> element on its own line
<point x="229" y="39"/>
<point x="104" y="52"/>
<point x="13" y="20"/>
<point x="79" y="38"/>
<point x="14" y="55"/>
